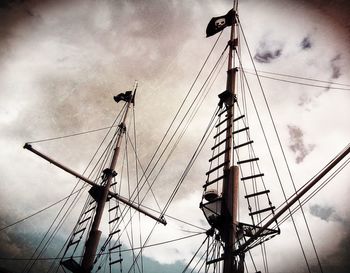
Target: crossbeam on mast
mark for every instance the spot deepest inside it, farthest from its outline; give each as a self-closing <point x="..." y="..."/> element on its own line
<point x="93" y="184"/>
<point x="59" y="165"/>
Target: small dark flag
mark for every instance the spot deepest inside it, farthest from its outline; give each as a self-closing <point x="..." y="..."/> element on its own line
<point x="127" y="96"/>
<point x="217" y="24"/>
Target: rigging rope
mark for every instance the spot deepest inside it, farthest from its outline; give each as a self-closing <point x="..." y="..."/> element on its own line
<point x="137" y="179"/>
<point x="199" y="260"/>
<point x="77" y="134"/>
<point x="301" y="78"/>
<point x="40" y="211"/>
<point x="131" y="240"/>
<point x="299" y="83"/>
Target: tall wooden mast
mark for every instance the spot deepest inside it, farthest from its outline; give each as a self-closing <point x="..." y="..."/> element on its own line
<point x="229" y="209"/>
<point x="102" y="194"/>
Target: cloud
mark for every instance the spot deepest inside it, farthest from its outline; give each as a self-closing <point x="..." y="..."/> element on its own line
<point x="335" y="68"/>
<point x="306" y="43"/>
<point x="268" y="51"/>
<point x="297" y="144"/>
<point x="328" y="213"/>
<point x="325" y="213"/>
<point x="8" y="242"/>
<point x="336" y="73"/>
<point x="338" y="261"/>
<point x="304" y="99"/>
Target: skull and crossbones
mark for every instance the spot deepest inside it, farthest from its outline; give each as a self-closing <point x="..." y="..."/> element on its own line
<point x="220" y="22"/>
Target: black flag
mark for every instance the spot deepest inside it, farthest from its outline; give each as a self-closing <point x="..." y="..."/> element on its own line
<point x="217" y="24"/>
<point x="127" y="96"/>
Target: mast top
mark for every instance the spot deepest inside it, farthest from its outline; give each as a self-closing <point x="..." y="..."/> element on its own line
<point x="127" y="96"/>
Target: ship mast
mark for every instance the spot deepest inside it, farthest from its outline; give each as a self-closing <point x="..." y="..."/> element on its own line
<point x="221" y="211"/>
<point x="102" y="194"/>
<point x="230" y="182"/>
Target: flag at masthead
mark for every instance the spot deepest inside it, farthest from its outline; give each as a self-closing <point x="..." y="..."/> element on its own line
<point x="217" y="24"/>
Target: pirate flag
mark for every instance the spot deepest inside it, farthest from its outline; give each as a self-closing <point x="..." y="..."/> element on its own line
<point x="127" y="96"/>
<point x="217" y="24"/>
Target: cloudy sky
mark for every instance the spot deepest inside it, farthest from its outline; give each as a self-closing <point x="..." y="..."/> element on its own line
<point x="62" y="61"/>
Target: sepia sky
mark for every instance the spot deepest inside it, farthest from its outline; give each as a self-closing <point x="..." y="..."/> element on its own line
<point x="61" y="62"/>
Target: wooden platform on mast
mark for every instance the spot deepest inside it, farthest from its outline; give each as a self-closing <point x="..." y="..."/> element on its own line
<point x="73" y="266"/>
